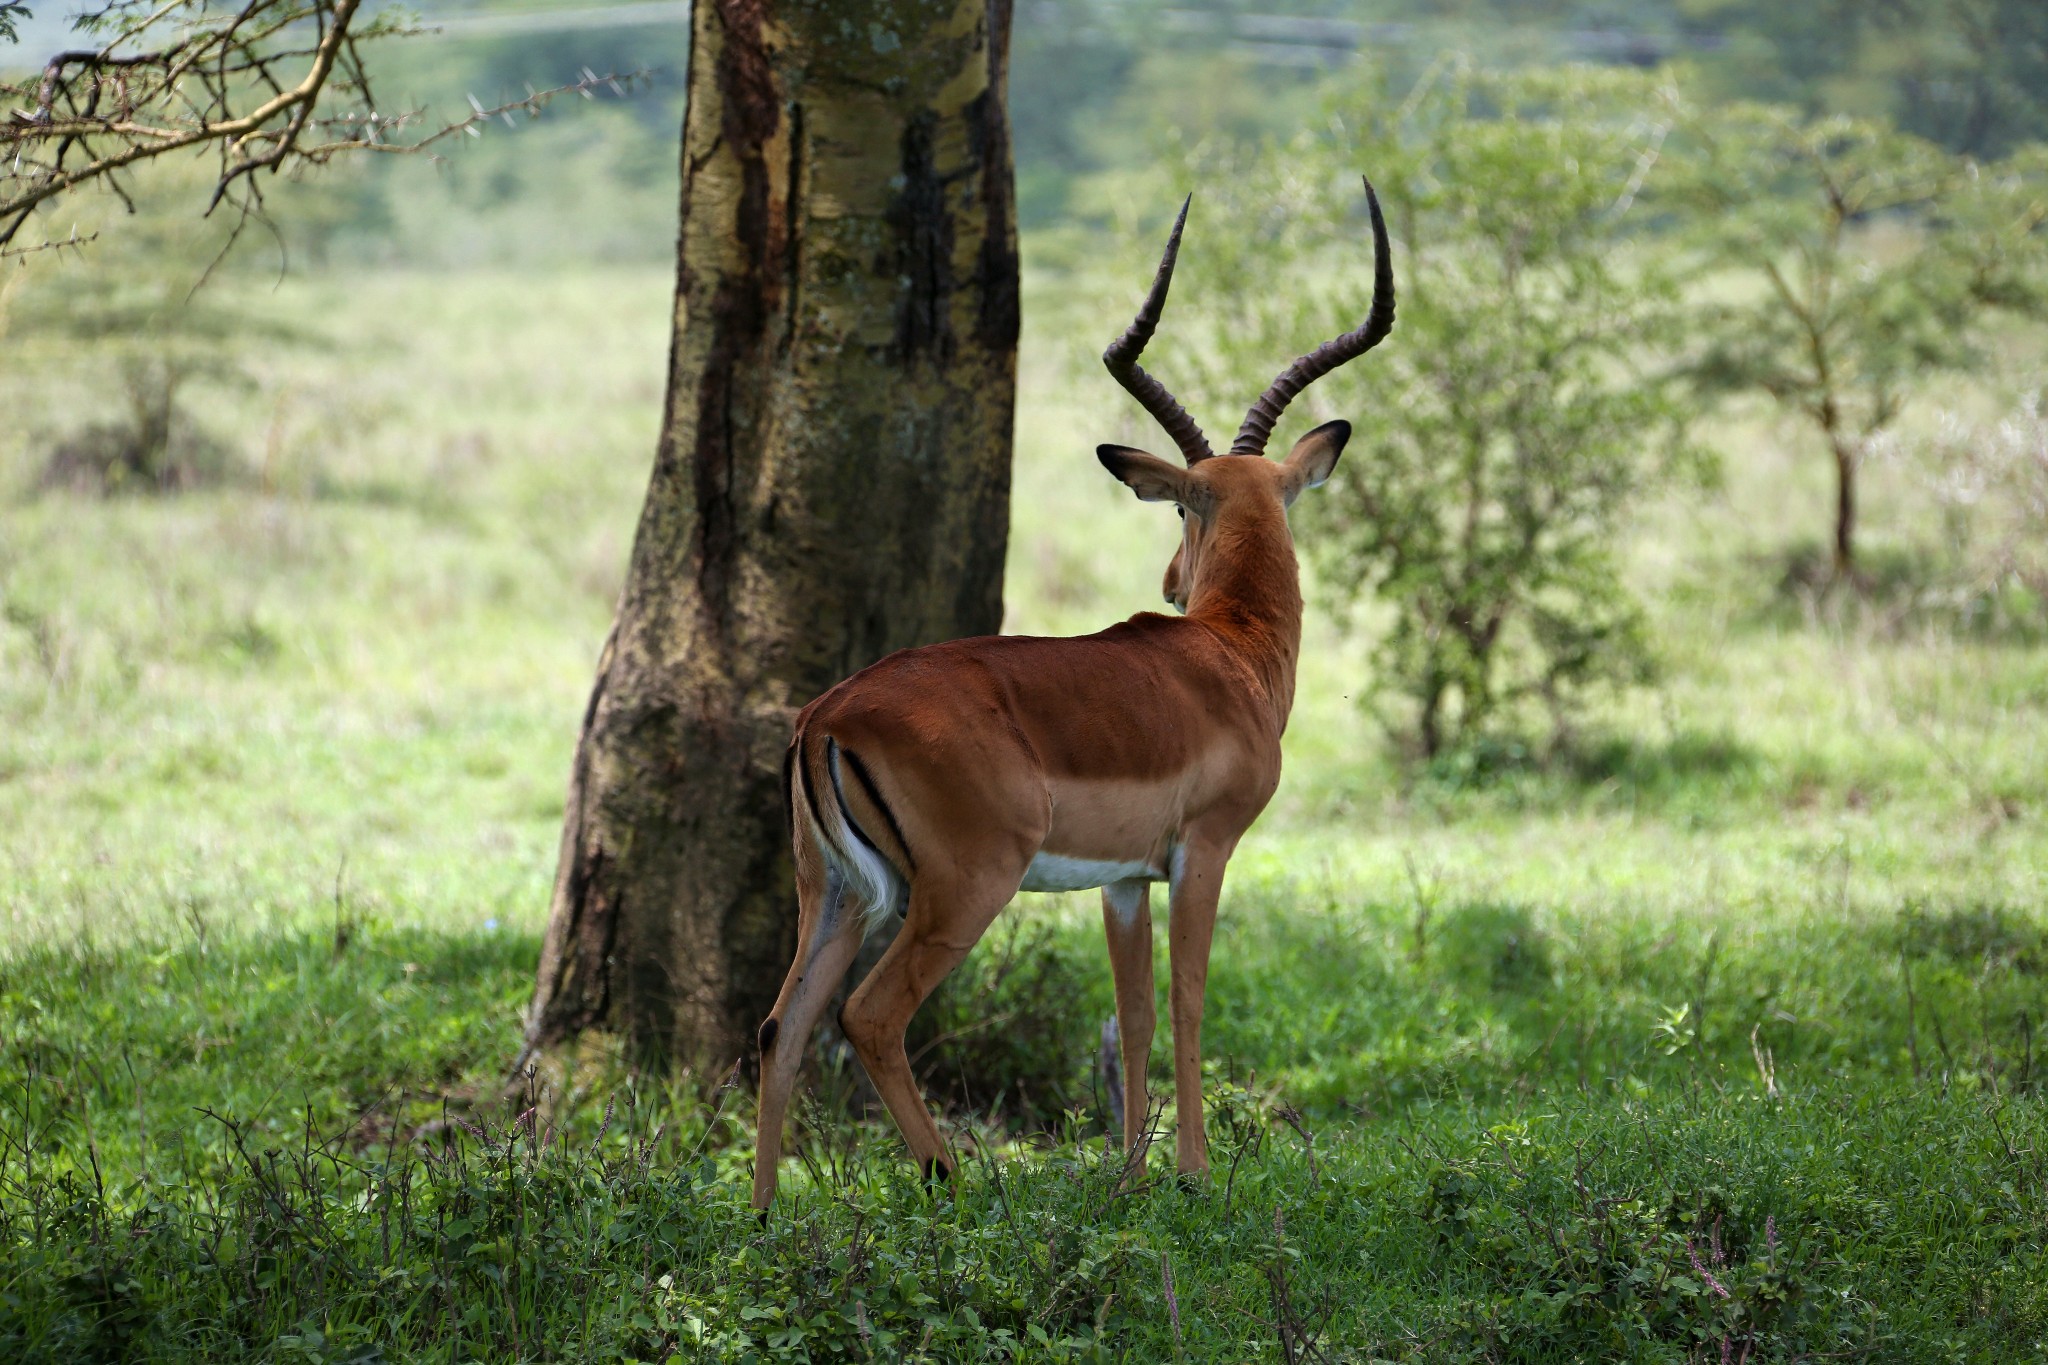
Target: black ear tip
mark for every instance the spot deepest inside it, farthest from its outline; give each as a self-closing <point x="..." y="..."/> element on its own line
<point x="1112" y="456"/>
<point x="1335" y="433"/>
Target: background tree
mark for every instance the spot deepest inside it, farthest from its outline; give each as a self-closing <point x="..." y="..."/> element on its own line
<point x="831" y="485"/>
<point x="1872" y="257"/>
<point x="1524" y="410"/>
<point x="1970" y="74"/>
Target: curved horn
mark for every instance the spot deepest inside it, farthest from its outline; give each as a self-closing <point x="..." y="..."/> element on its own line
<point x="1258" y="423"/>
<point x="1121" y="359"/>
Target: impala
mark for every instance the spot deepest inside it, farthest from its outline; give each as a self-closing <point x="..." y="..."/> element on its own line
<point x="942" y="780"/>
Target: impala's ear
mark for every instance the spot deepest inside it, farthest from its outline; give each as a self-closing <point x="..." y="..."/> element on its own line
<point x="1151" y="478"/>
<point x="1312" y="459"/>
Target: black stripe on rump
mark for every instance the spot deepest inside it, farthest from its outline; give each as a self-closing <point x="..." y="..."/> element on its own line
<point x="874" y="794"/>
<point x="810" y="787"/>
<point x="788" y="790"/>
<point x="833" y="750"/>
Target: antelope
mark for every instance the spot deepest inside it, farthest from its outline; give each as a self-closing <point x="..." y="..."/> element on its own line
<point x="943" y="780"/>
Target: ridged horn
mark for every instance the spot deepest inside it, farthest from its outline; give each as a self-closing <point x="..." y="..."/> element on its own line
<point x="1379" y="320"/>
<point x="1121" y="359"/>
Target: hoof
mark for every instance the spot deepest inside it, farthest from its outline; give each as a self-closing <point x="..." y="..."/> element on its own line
<point x="937" y="1172"/>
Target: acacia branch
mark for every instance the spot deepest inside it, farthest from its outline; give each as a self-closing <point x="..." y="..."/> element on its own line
<point x="258" y="84"/>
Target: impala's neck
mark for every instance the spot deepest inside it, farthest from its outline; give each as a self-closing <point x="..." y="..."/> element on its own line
<point x="1248" y="589"/>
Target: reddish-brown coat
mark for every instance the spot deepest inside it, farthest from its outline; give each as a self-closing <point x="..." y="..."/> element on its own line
<point x="1154" y="743"/>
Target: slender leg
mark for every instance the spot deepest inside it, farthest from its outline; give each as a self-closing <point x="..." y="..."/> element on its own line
<point x="1196" y="886"/>
<point x="1127" y="923"/>
<point x="828" y="935"/>
<point x="939" y="929"/>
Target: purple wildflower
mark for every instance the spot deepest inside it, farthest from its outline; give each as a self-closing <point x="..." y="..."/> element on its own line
<point x="1704" y="1273"/>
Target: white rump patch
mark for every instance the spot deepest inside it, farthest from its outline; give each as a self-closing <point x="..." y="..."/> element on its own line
<point x="870" y="877"/>
<point x="1055" y="872"/>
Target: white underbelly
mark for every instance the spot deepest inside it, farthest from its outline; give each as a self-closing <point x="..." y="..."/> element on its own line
<point x="1055" y="872"/>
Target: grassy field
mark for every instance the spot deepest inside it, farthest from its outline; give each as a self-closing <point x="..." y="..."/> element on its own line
<point x="1712" y="1039"/>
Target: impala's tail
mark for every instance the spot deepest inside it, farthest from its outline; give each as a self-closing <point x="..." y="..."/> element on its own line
<point x="834" y="798"/>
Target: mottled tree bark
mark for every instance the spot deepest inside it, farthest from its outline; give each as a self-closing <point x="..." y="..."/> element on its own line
<point x="831" y="484"/>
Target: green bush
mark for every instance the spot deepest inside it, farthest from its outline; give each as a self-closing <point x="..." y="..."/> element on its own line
<point x="1523" y="406"/>
<point x="1014" y="1029"/>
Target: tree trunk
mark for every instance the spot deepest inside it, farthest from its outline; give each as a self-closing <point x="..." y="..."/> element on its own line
<point x="1845" y="510"/>
<point x="831" y="485"/>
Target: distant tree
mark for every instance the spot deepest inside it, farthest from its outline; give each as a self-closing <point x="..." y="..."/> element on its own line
<point x="1874" y="260"/>
<point x="1971" y="75"/>
<point x="1528" y="405"/>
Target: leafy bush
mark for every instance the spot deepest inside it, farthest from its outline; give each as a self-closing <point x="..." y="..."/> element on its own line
<point x="1522" y="408"/>
<point x="1013" y="1029"/>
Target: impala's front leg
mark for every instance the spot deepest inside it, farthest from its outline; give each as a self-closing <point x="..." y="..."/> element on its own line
<point x="1197" y="884"/>
<point x="1127" y="923"/>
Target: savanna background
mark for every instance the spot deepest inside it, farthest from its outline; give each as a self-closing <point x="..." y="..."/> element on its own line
<point x="1675" y="999"/>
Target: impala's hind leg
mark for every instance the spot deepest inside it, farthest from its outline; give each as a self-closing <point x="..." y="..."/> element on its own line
<point x="940" y="926"/>
<point x="829" y="931"/>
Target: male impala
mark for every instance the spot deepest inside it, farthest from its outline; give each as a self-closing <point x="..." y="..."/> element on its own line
<point x="942" y="780"/>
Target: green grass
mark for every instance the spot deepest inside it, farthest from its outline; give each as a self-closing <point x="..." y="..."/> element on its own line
<point x="1902" y="1227"/>
<point x="281" y="772"/>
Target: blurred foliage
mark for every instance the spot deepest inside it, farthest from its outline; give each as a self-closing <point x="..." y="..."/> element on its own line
<point x="1875" y="259"/>
<point x="1088" y="76"/>
<point x="1971" y="75"/>
<point x="1990" y="480"/>
<point x="1528" y="404"/>
<point x="593" y="182"/>
<point x="1594" y="256"/>
<point x="1093" y="83"/>
<point x="132" y="324"/>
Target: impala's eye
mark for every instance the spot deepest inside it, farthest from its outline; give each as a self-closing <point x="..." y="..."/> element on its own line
<point x="1180" y="511"/>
